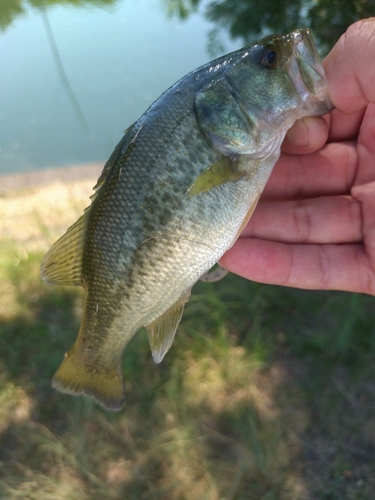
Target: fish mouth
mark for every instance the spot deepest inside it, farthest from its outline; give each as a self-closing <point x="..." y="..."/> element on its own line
<point x="307" y="72"/>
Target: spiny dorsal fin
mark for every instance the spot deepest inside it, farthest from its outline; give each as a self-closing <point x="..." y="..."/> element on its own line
<point x="110" y="163"/>
<point x="63" y="263"/>
<point x="105" y="172"/>
<point x="224" y="170"/>
<point x="161" y="332"/>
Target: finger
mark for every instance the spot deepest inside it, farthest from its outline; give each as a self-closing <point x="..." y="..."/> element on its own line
<point x="313" y="267"/>
<point x="344" y="127"/>
<point x="331" y="219"/>
<point x="366" y="197"/>
<point x="366" y="148"/>
<point x="330" y="171"/>
<point x="350" y="70"/>
<point x="307" y="135"/>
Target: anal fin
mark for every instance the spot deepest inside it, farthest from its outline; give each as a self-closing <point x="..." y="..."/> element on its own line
<point x="161" y="332"/>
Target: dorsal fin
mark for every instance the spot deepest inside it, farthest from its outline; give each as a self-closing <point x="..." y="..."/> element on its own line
<point x="63" y="263"/>
<point x="161" y="332"/>
<point x="108" y="166"/>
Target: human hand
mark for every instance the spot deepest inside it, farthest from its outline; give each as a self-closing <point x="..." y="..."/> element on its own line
<point x="314" y="227"/>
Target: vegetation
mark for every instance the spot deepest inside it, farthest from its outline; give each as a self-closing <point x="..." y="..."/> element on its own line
<point x="267" y="393"/>
<point x="12" y="9"/>
<point x="244" y="19"/>
<point x="327" y="19"/>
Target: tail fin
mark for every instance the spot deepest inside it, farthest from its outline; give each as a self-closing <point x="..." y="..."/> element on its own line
<point x="74" y="377"/>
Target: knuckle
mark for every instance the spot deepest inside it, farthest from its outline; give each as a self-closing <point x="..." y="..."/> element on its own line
<point x="302" y="221"/>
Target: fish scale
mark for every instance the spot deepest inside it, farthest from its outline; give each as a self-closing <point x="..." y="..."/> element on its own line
<point x="173" y="197"/>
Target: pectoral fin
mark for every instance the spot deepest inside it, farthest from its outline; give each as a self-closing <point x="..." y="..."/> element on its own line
<point x="224" y="170"/>
<point x="215" y="274"/>
<point x="161" y="332"/>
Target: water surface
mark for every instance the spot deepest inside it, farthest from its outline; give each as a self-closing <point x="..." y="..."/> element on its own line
<point x="73" y="79"/>
<point x="74" y="74"/>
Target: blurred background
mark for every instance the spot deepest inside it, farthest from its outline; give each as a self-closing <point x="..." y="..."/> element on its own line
<point x="267" y="393"/>
<point x="74" y="74"/>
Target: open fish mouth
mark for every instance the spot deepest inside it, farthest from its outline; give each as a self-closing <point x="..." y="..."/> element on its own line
<point x="307" y="72"/>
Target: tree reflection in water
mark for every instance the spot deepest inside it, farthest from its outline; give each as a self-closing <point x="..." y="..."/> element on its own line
<point x="249" y="19"/>
<point x="243" y="19"/>
<point x="11" y="9"/>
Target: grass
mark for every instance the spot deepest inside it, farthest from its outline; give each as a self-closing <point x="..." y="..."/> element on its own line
<point x="266" y="394"/>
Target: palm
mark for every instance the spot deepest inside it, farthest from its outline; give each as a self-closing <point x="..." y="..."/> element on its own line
<point x="315" y="225"/>
<point x="312" y="228"/>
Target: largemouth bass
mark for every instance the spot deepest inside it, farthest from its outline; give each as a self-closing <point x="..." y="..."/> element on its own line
<point x="173" y="197"/>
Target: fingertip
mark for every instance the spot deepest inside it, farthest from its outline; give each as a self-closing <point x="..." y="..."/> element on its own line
<point x="306" y="135"/>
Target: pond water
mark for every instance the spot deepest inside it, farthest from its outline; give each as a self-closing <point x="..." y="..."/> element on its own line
<point x="73" y="79"/>
<point x="75" y="74"/>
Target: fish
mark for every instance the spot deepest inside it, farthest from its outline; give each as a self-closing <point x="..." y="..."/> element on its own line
<point x="173" y="197"/>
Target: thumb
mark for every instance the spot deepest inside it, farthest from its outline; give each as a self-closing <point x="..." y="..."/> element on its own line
<point x="350" y="68"/>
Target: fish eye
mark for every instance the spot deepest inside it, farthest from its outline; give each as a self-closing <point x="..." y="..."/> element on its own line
<point x="269" y="57"/>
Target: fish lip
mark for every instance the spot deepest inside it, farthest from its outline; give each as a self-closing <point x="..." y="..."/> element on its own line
<point x="304" y="47"/>
<point x="304" y="51"/>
